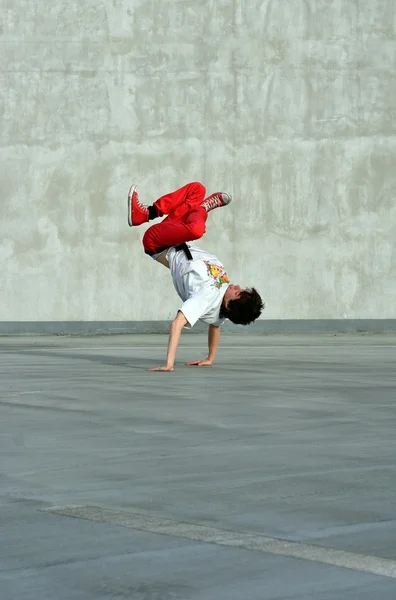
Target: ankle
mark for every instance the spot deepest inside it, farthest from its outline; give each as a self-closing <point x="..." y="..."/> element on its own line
<point x="153" y="213"/>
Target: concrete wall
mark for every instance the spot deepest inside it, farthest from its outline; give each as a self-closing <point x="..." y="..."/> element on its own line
<point x="288" y="104"/>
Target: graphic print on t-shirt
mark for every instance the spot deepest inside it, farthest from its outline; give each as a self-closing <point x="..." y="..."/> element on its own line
<point x="218" y="273"/>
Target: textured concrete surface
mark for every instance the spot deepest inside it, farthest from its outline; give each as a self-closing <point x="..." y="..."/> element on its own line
<point x="288" y="105"/>
<point x="270" y="475"/>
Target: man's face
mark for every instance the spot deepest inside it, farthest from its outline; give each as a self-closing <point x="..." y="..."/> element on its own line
<point x="233" y="292"/>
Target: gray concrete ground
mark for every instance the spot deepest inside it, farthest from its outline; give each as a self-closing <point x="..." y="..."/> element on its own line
<point x="271" y="475"/>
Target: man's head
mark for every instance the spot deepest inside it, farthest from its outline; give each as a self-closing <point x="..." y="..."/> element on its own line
<point x="241" y="306"/>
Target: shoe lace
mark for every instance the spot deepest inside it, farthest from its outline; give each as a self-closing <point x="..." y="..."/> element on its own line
<point x="140" y="204"/>
<point x="213" y="202"/>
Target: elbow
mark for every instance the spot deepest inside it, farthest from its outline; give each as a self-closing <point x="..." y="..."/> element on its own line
<point x="176" y="325"/>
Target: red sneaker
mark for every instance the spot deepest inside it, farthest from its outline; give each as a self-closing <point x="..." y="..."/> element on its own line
<point x="215" y="200"/>
<point x="137" y="212"/>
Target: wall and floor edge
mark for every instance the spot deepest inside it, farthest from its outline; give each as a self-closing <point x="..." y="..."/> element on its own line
<point x="261" y="327"/>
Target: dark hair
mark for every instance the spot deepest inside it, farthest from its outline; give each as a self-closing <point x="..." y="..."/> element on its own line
<point x="246" y="309"/>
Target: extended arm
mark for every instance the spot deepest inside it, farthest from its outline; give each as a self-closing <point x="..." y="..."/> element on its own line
<point x="174" y="337"/>
<point x="213" y="341"/>
<point x="213" y="344"/>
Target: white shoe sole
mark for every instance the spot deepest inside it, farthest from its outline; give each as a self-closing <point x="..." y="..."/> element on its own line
<point x="130" y="194"/>
<point x="229" y="198"/>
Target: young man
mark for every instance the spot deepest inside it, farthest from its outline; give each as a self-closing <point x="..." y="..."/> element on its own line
<point x="199" y="278"/>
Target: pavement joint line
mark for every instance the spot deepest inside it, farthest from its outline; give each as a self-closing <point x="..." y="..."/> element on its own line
<point x="373" y="565"/>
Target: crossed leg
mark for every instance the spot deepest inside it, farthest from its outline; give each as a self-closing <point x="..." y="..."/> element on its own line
<point x="186" y="220"/>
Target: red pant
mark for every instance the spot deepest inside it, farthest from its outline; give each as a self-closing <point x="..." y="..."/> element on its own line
<point x="185" y="221"/>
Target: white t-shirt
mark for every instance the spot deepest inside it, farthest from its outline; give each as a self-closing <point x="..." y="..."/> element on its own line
<point x="201" y="283"/>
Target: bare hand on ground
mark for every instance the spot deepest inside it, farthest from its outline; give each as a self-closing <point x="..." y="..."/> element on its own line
<point x="200" y="363"/>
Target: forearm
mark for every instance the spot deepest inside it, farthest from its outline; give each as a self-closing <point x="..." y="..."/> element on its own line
<point x="213" y="341"/>
<point x="174" y="338"/>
